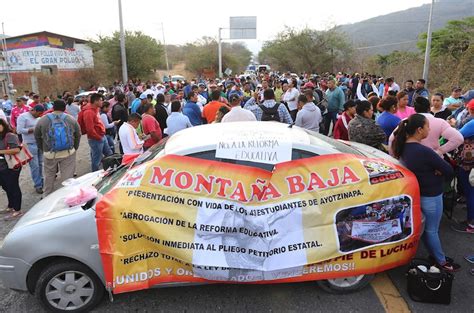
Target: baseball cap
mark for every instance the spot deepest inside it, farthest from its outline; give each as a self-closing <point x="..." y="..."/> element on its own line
<point x="456" y="88"/>
<point x="212" y="86"/>
<point x="142" y="96"/>
<point x="308" y="85"/>
<point x="470" y="104"/>
<point x="38" y="108"/>
<point x="202" y="85"/>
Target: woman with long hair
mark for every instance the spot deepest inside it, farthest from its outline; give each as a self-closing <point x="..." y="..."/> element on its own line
<point x="431" y="171"/>
<point x="9" y="145"/>
<point x="437" y="106"/>
<point x="403" y="110"/>
<point x="388" y="120"/>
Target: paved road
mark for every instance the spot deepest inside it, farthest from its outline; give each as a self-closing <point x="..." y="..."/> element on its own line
<point x="298" y="297"/>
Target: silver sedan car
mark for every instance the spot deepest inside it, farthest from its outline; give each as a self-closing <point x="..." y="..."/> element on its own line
<point x="53" y="250"/>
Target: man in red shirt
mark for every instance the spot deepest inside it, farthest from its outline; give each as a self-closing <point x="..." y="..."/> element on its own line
<point x="210" y="109"/>
<point x="150" y="126"/>
<point x="18" y="109"/>
<point x="91" y="125"/>
<point x="340" y="129"/>
<point x="36" y="101"/>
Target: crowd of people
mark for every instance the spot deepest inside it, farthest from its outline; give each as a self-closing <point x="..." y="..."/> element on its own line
<point x="421" y="129"/>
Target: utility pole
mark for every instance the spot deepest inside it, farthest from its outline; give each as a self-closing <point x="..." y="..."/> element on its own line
<point x="220" y="52"/>
<point x="426" y="66"/>
<point x="122" y="47"/>
<point x="5" y="54"/>
<point x="164" y="46"/>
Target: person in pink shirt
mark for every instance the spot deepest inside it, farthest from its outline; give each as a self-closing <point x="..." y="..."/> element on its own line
<point x="403" y="110"/>
<point x="438" y="128"/>
<point x="19" y="108"/>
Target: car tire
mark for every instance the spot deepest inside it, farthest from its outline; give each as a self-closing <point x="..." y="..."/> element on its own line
<point x="69" y="286"/>
<point x="345" y="284"/>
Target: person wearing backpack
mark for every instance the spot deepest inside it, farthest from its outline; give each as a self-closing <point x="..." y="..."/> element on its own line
<point x="269" y="110"/>
<point x="57" y="134"/>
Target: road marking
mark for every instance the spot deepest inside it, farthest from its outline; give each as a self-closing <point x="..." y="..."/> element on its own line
<point x="391" y="300"/>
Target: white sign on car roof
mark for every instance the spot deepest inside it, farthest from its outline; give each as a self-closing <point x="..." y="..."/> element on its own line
<point x="269" y="147"/>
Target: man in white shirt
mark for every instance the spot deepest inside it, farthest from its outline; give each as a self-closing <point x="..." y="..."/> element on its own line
<point x="131" y="144"/>
<point x="291" y="98"/>
<point x="392" y="85"/>
<point x="176" y="121"/>
<point x="237" y="114"/>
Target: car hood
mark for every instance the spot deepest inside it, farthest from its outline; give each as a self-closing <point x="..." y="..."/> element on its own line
<point x="53" y="205"/>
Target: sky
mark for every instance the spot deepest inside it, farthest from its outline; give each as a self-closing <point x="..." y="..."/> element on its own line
<point x="186" y="21"/>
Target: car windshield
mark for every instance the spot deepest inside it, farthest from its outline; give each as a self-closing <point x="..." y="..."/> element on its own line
<point x="112" y="176"/>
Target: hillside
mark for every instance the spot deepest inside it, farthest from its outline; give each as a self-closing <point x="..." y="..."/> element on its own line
<point x="404" y="26"/>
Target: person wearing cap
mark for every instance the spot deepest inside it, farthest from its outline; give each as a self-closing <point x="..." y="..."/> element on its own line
<point x="202" y="91"/>
<point x="310" y="85"/>
<point x="19" y="109"/>
<point x="26" y="124"/>
<point x="6" y="105"/>
<point x="141" y="100"/>
<point x="237" y="113"/>
<point x="223" y="97"/>
<point x="454" y="101"/>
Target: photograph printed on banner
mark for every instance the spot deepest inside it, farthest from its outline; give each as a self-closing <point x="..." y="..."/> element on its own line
<point x="375" y="223"/>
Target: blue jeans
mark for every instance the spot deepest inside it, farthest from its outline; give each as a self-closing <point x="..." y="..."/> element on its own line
<point x="99" y="148"/>
<point x="111" y="143"/>
<point x="432" y="208"/>
<point x="468" y="191"/>
<point x="36" y="165"/>
<point x="328" y="118"/>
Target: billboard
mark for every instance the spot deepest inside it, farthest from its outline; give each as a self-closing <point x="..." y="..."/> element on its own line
<point x="243" y="27"/>
<point x="35" y="57"/>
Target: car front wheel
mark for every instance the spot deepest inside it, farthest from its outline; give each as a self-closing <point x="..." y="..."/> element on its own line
<point x="69" y="287"/>
<point x="345" y="284"/>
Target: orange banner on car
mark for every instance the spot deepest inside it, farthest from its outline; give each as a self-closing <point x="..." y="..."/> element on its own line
<point x="182" y="219"/>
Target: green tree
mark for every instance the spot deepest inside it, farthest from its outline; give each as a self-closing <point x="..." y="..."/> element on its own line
<point x="306" y="50"/>
<point x="203" y="55"/>
<point x="452" y="40"/>
<point x="144" y="54"/>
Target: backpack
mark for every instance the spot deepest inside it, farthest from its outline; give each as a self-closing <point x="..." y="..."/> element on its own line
<point x="270" y="114"/>
<point x="60" y="134"/>
<point x="465" y="154"/>
<point x="323" y="101"/>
